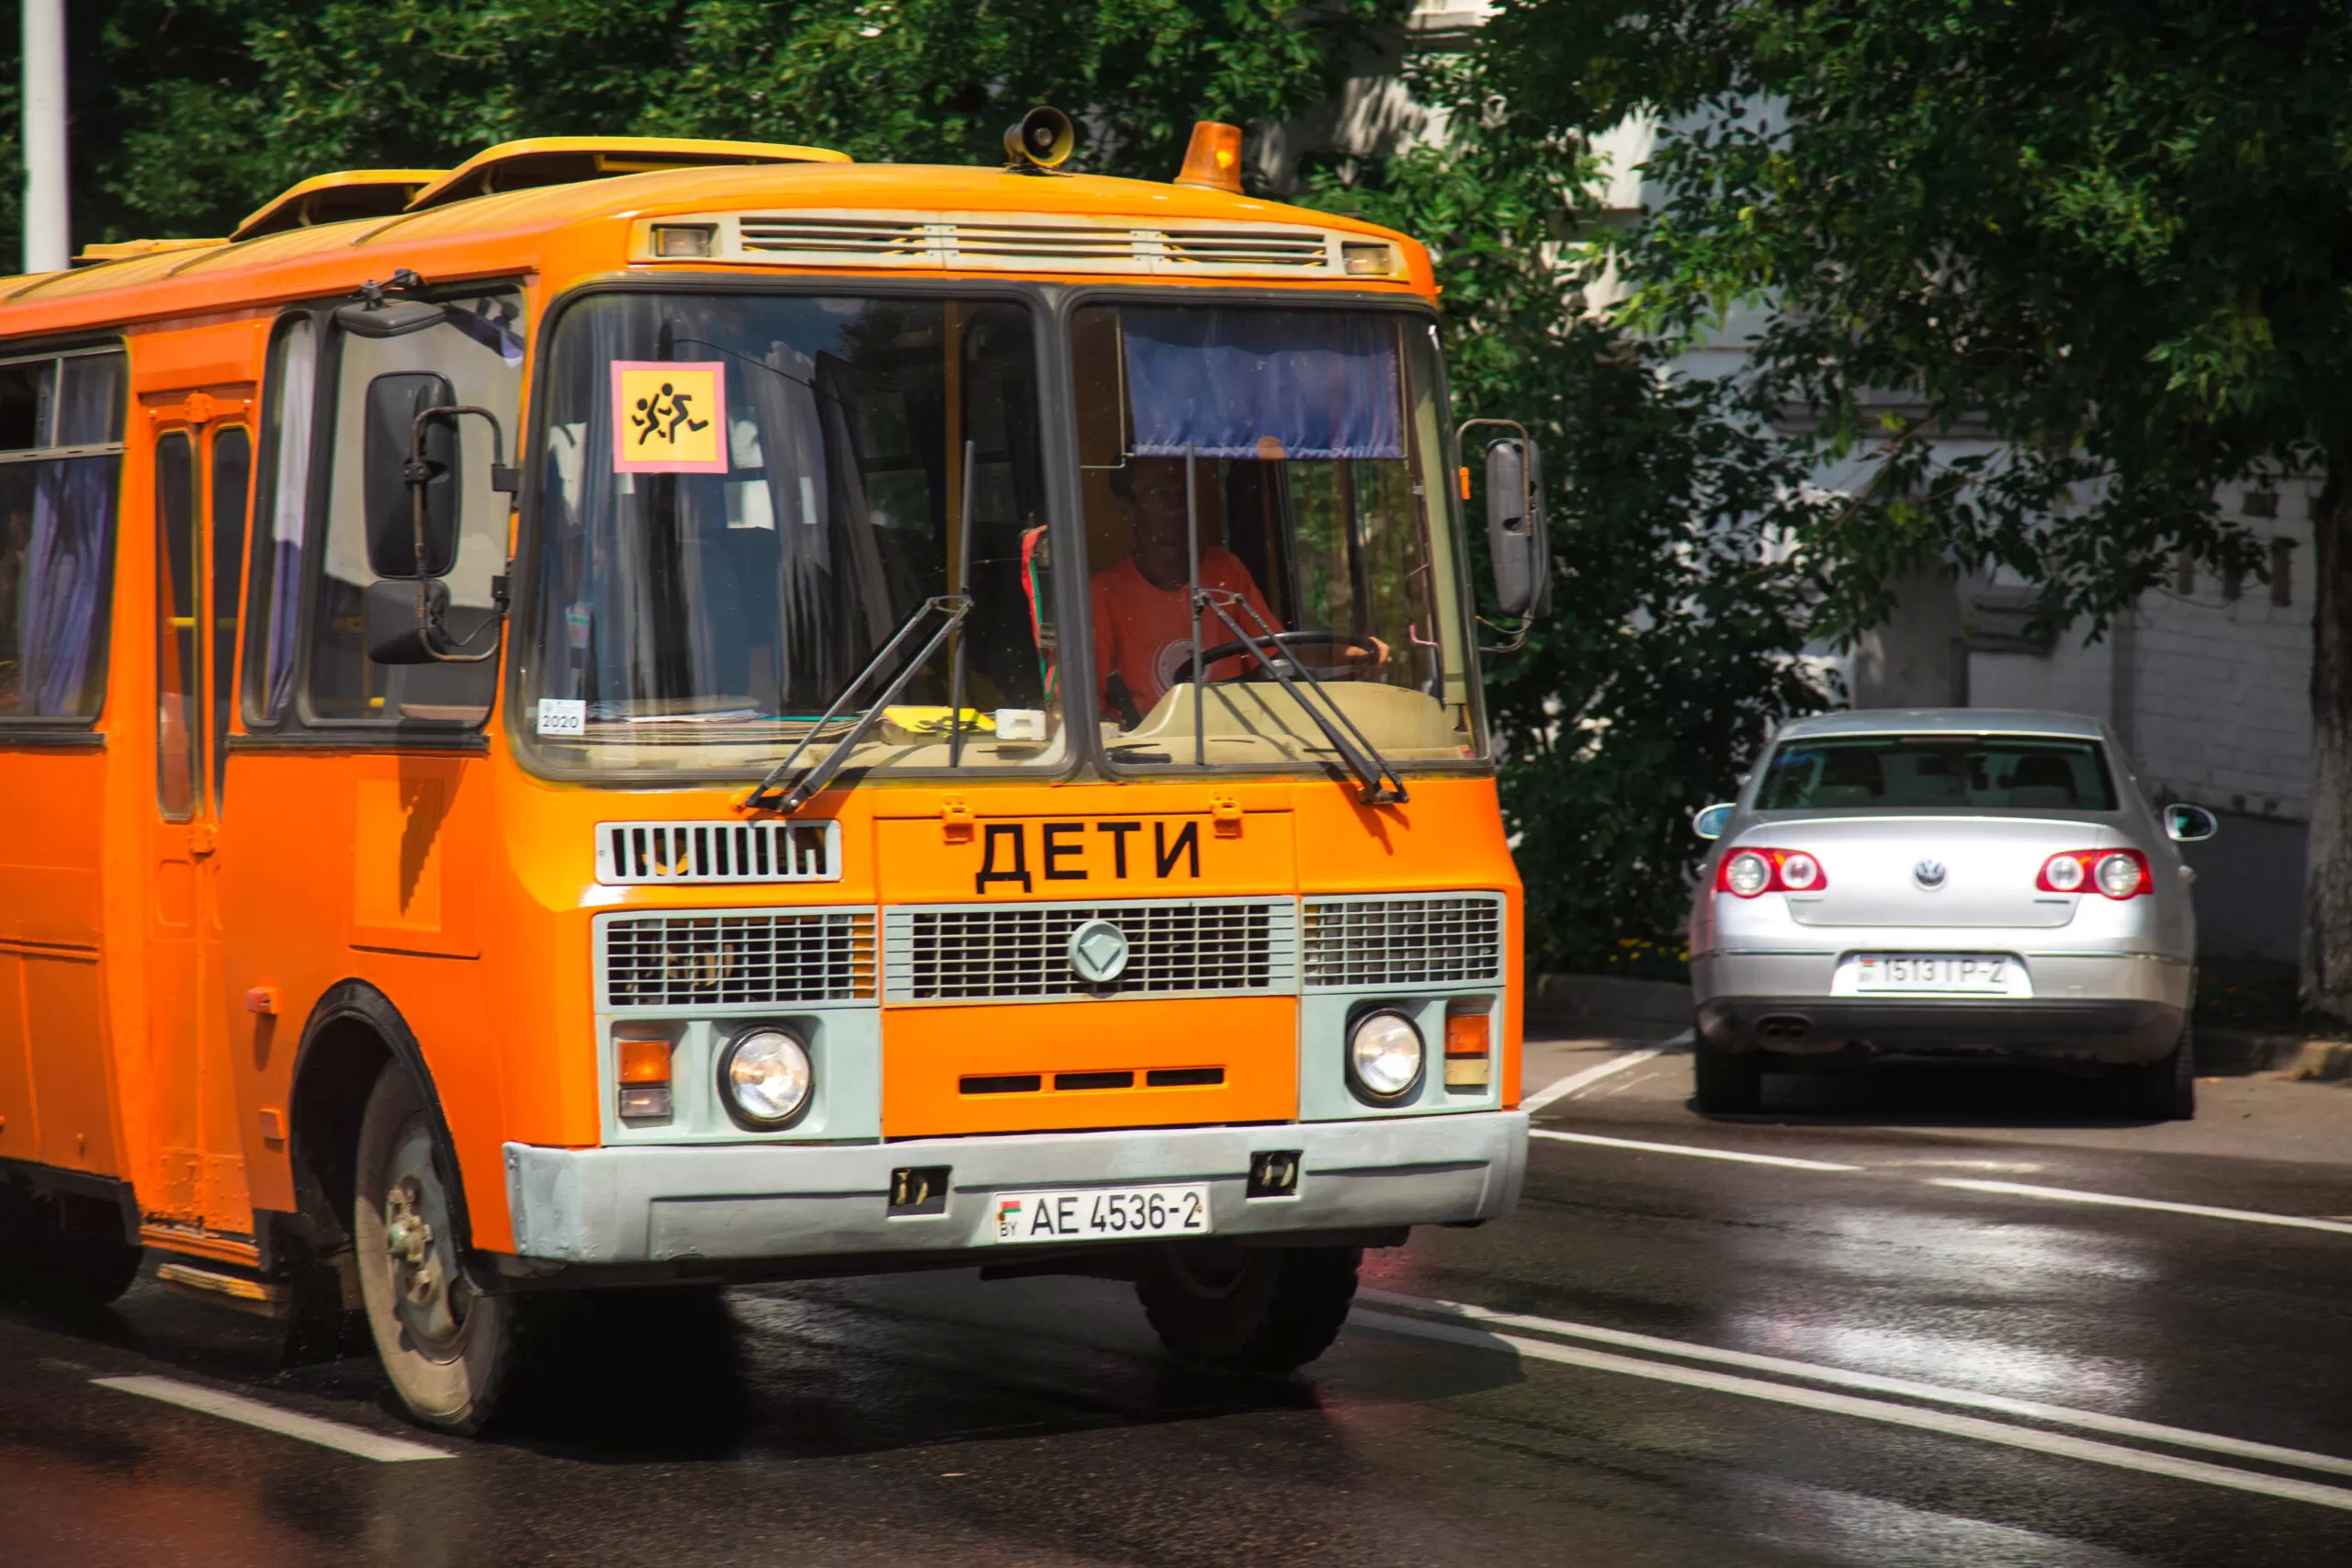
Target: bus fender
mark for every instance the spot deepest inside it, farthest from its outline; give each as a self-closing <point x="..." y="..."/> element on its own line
<point x="332" y="1074"/>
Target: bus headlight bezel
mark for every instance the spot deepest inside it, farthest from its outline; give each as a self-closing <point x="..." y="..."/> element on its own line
<point x="764" y="1051"/>
<point x="1393" y="1028"/>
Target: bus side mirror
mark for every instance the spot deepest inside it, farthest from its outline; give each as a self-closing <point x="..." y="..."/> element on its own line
<point x="404" y="538"/>
<point x="1518" y="548"/>
<point x="382" y="318"/>
<point x="402" y="614"/>
<point x="401" y="619"/>
<point x="1516" y="539"/>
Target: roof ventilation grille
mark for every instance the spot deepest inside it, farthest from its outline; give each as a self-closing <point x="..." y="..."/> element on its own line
<point x="986" y="243"/>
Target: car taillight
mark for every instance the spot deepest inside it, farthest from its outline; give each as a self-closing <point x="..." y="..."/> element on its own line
<point x="2117" y="873"/>
<point x="1747" y="873"/>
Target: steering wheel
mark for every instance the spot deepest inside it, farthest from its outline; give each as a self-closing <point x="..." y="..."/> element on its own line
<point x="1354" y="651"/>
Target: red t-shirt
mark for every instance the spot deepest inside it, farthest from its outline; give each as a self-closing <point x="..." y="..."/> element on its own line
<point x="1146" y="633"/>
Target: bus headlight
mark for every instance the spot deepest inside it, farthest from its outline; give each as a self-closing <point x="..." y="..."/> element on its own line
<point x="765" y="1077"/>
<point x="1384" y="1057"/>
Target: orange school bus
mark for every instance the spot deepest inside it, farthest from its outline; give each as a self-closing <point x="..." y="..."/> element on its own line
<point x="648" y="714"/>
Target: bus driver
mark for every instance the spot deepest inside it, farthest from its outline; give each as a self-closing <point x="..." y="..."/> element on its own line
<point x="1143" y="626"/>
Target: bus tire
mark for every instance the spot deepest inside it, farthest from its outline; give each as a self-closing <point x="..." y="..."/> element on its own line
<point x="449" y="1351"/>
<point x="64" y="1249"/>
<point x="1250" y="1309"/>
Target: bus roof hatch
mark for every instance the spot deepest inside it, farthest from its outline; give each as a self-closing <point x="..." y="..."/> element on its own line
<point x="567" y="160"/>
<point x="337" y="198"/>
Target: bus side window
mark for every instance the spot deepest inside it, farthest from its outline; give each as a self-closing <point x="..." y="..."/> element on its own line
<point x="273" y="602"/>
<point x="57" y="517"/>
<point x="232" y="473"/>
<point x="179" y="721"/>
<point x="478" y="352"/>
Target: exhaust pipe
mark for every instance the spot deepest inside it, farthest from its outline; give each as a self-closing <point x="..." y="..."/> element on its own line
<point x="1783" y="1026"/>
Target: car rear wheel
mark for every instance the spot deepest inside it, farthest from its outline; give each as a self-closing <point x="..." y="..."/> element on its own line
<point x="1727" y="1082"/>
<point x="2165" y="1088"/>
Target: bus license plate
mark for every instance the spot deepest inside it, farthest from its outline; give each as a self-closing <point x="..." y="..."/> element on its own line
<point x="1968" y="972"/>
<point x="1101" y="1213"/>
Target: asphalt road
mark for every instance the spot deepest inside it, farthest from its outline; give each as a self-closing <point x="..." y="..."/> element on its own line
<point x="1833" y="1354"/>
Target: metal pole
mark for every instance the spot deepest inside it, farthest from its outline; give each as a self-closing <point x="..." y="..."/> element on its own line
<point x="963" y="639"/>
<point x="1193" y="595"/>
<point x="48" y="233"/>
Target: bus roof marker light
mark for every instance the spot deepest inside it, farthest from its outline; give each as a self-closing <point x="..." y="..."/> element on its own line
<point x="1041" y="141"/>
<point x="1213" y="162"/>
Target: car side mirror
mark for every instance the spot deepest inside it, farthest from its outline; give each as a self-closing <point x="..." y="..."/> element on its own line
<point x="2189" y="824"/>
<point x="1710" y="823"/>
<point x="412" y="516"/>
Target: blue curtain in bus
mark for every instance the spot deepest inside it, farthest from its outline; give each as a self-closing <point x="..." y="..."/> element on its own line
<point x="1260" y="383"/>
<point x="66" y="566"/>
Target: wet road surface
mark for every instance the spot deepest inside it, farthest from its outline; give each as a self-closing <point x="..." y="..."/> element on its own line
<point x="1818" y="1350"/>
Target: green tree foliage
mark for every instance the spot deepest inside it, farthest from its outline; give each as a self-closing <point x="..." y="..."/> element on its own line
<point x="2116" y="238"/>
<point x="1681" y="608"/>
<point x="1681" y="612"/>
<point x="189" y="113"/>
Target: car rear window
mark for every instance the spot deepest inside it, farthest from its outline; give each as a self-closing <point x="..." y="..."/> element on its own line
<point x="1951" y="772"/>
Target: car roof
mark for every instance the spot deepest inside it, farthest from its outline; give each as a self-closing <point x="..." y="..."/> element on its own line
<point x="1953" y="721"/>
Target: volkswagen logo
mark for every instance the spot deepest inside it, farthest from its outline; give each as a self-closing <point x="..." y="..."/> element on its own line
<point x="1928" y="874"/>
<point x="1098" y="953"/>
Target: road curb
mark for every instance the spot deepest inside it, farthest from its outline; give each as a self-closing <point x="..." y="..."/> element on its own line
<point x="2242" y="1053"/>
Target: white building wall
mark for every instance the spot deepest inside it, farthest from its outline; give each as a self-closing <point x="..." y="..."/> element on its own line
<point x="2207" y="688"/>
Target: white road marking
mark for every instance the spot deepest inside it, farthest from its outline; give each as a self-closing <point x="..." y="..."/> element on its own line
<point x="1693" y="1150"/>
<point x="2336" y="1225"/>
<point x="2112" y="1199"/>
<point x="2060" y="1415"/>
<point x="1577" y="1082"/>
<point x="269" y="1418"/>
<point x="1982" y="1430"/>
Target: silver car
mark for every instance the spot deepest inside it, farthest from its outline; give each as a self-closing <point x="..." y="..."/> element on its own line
<point x="1945" y="881"/>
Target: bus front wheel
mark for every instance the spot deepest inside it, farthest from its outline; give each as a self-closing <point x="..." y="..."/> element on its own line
<point x="449" y="1350"/>
<point x="1268" y="1309"/>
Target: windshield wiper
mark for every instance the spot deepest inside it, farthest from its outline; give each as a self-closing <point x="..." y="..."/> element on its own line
<point x="1382" y="787"/>
<point x="766" y="797"/>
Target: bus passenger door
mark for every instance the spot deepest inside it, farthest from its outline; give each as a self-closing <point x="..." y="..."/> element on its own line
<point x="202" y="466"/>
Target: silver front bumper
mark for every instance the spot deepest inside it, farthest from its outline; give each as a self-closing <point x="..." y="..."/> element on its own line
<point x="776" y="1200"/>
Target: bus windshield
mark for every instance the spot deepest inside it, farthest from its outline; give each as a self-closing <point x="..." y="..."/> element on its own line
<point x="744" y="496"/>
<point x="1290" y="461"/>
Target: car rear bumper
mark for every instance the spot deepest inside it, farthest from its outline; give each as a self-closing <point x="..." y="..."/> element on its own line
<point x="2075" y="976"/>
<point x="676" y="1202"/>
<point x="2101" y="1031"/>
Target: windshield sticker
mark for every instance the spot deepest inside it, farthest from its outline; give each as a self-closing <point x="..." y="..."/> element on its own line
<point x="563" y="715"/>
<point x="669" y="418"/>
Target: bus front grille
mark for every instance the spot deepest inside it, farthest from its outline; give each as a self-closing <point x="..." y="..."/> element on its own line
<point x="1403" y="940"/>
<point x="1017" y="951"/>
<point x="736" y="958"/>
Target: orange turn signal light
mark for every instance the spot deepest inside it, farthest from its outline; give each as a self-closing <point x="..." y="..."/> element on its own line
<point x="1468" y="1060"/>
<point x="1214" y="159"/>
<point x="645" y="1061"/>
<point x="1466" y="1035"/>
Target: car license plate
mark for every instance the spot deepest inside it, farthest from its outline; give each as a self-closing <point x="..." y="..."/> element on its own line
<point x="1101" y="1213"/>
<point x="1967" y="973"/>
